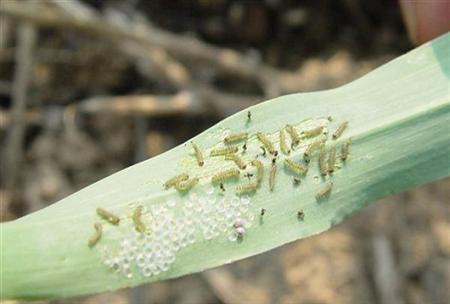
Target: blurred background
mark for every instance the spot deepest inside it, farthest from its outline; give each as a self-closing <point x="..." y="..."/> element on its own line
<point x="88" y="88"/>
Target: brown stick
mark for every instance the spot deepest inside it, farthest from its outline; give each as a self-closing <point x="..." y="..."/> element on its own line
<point x="199" y="101"/>
<point x="21" y="84"/>
<point x="225" y="60"/>
<point x="232" y="291"/>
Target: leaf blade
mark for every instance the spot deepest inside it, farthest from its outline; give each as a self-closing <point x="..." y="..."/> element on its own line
<point x="398" y="116"/>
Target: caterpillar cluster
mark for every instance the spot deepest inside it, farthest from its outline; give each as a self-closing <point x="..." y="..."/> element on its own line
<point x="252" y="162"/>
<point x="291" y="138"/>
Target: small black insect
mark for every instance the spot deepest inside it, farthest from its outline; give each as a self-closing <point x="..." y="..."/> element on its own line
<point x="248" y="175"/>
<point x="263" y="211"/>
<point x="300" y="215"/>
<point x="222" y="187"/>
<point x="244" y="148"/>
<point x="296" y="181"/>
<point x="274" y="161"/>
<point x="249" y="116"/>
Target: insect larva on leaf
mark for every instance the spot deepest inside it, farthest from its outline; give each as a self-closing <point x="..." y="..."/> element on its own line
<point x="266" y="142"/>
<point x="283" y="143"/>
<point x="312" y="147"/>
<point x="263" y="211"/>
<point x="331" y="159"/>
<point x="301" y="215"/>
<point x="340" y="130"/>
<point x="273" y="174"/>
<point x="237" y="160"/>
<point x="344" y="149"/>
<point x="176" y="179"/>
<point x="325" y="191"/>
<point x="263" y="151"/>
<point x="322" y="162"/>
<point x="259" y="170"/>
<point x="198" y="154"/>
<point x="313" y="132"/>
<point x="225" y="175"/>
<point x="223" y="151"/>
<point x="97" y="235"/>
<point x="234" y="137"/>
<point x="108" y="216"/>
<point x="187" y="185"/>
<point x="294" y="134"/>
<point x="246" y="188"/>
<point x="138" y="224"/>
<point x="295" y="167"/>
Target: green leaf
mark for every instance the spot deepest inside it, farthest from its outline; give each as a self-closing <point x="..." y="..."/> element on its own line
<point x="399" y="124"/>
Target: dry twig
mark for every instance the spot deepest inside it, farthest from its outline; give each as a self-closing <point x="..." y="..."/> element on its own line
<point x="149" y="37"/>
<point x="21" y="84"/>
<point x="232" y="291"/>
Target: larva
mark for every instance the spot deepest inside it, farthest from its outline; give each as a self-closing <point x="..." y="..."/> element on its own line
<point x="340" y="130"/>
<point x="313" y="132"/>
<point x="138" y="224"/>
<point x="97" y="235"/>
<point x="198" y="154"/>
<point x="331" y="159"/>
<point x="295" y="167"/>
<point x="246" y="188"/>
<point x="231" y="138"/>
<point x="223" y="151"/>
<point x="325" y="191"/>
<point x="244" y="148"/>
<point x="187" y="185"/>
<point x="259" y="170"/>
<point x="266" y="142"/>
<point x="294" y="134"/>
<point x="344" y="149"/>
<point x="312" y="147"/>
<point x="108" y="216"/>
<point x="176" y="179"/>
<point x="273" y="174"/>
<point x="263" y="151"/>
<point x="237" y="160"/>
<point x="224" y="175"/>
<point x="263" y="211"/>
<point x="283" y="144"/>
<point x="322" y="162"/>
